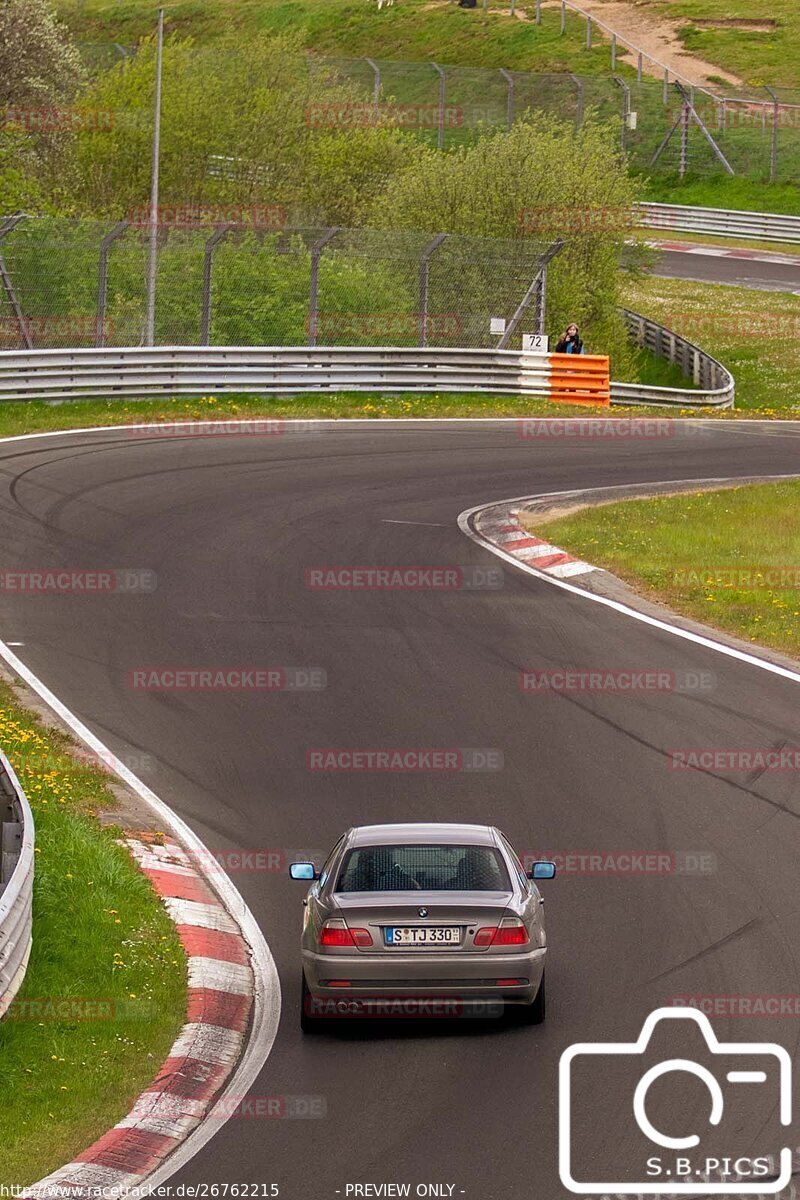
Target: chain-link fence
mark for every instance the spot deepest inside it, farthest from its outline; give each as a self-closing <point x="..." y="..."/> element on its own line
<point x="67" y="282"/>
<point x="754" y="131"/>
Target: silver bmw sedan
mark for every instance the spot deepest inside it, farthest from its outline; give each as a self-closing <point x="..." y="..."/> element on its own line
<point x="425" y="920"/>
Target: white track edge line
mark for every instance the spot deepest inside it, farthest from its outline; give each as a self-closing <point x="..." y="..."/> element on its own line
<point x="686" y="634"/>
<point x="267" y="997"/>
<point x="380" y="422"/>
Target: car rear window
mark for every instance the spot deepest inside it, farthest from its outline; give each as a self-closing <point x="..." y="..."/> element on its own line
<point x="423" y="868"/>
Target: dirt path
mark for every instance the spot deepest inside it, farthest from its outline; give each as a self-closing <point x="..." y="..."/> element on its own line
<point x="650" y="33"/>
<point x="654" y="35"/>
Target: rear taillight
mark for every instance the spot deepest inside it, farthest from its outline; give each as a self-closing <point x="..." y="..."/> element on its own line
<point x="336" y="933"/>
<point x="510" y="932"/>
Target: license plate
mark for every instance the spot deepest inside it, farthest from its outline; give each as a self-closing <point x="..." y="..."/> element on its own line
<point x="427" y="935"/>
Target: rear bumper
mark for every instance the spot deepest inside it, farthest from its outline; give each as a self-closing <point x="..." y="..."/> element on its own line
<point x="468" y="980"/>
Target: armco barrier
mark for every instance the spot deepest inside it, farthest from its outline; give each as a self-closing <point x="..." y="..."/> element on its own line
<point x="285" y="370"/>
<point x="715" y="387"/>
<point x="721" y="222"/>
<point x="580" y="379"/>
<point x="282" y="370"/>
<point x="16" y="883"/>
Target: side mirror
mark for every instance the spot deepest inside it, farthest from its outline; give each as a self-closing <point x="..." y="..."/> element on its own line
<point x="304" y="870"/>
<point x="542" y="870"/>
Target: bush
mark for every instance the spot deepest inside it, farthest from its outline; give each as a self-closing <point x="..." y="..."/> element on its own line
<point x="541" y="179"/>
<point x="249" y="103"/>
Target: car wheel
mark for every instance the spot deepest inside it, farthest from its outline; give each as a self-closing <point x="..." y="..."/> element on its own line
<point x="534" y="1013"/>
<point x="308" y="1022"/>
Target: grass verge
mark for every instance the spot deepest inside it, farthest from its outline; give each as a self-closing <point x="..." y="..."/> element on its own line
<point x="102" y="945"/>
<point x="415" y="30"/>
<point x="753" y="332"/>
<point x="763" y="55"/>
<point x="39" y="417"/>
<point x="730" y="558"/>
<point x="723" y="191"/>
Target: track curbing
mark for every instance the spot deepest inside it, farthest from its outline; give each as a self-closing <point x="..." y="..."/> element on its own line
<point x="220" y="995"/>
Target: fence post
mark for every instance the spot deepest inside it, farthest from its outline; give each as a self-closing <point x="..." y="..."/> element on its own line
<point x="510" y="103"/>
<point x="773" y="158"/>
<point x="536" y="289"/>
<point x="613" y="52"/>
<point x="588" y="33"/>
<point x="563" y="16"/>
<point x="102" y="280"/>
<point x="440" y="136"/>
<point x="208" y="258"/>
<point x="313" y="291"/>
<point x="665" y="92"/>
<point x="538" y="17"/>
<point x="626" y="107"/>
<point x="541" y="301"/>
<point x="8" y="287"/>
<point x="579" y="85"/>
<point x="152" y="253"/>
<point x="424" y="275"/>
<point x="376" y="87"/>
<point x="686" y="113"/>
<point x="639" y="69"/>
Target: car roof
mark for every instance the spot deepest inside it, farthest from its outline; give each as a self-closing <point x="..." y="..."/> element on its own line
<point x="423" y="832"/>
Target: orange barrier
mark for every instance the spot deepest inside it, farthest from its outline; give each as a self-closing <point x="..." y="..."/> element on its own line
<point x="580" y="379"/>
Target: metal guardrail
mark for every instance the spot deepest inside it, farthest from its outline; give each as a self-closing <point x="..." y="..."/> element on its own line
<point x="270" y="370"/>
<point x="715" y="387"/>
<point x="723" y="222"/>
<point x="281" y="370"/>
<point x="16" y="883"/>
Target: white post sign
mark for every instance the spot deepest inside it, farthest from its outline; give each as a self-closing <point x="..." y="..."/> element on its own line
<point x="538" y="342"/>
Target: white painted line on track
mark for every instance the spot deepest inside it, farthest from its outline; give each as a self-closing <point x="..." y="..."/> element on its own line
<point x="401" y="422"/>
<point x="464" y="524"/>
<point x="267" y="998"/>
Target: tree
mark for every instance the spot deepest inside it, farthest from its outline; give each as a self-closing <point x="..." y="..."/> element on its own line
<point x="39" y="62"/>
<point x="540" y="179"/>
<point x="40" y="70"/>
<point x="242" y="124"/>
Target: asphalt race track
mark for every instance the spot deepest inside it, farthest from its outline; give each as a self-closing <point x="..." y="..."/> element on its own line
<point x="740" y="272"/>
<point x="229" y="524"/>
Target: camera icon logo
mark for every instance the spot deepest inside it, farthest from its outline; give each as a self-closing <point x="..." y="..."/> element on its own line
<point x="685" y="1170"/>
